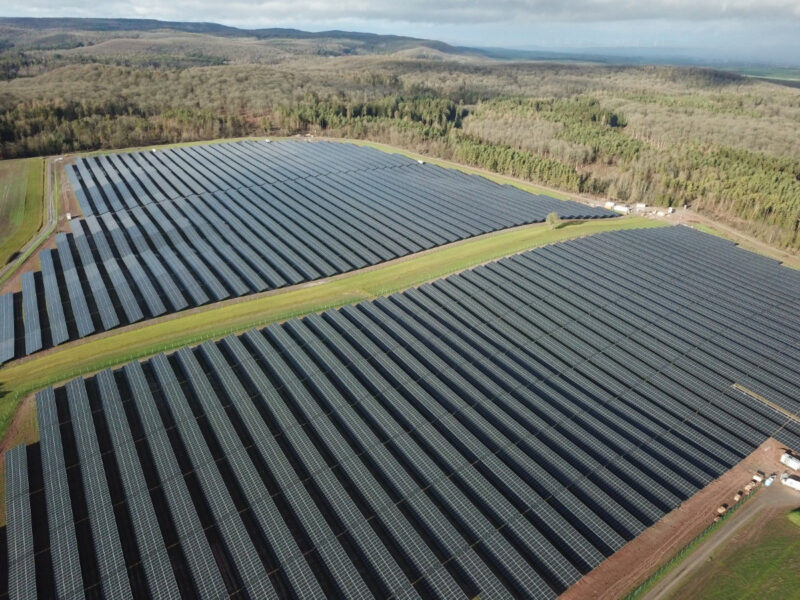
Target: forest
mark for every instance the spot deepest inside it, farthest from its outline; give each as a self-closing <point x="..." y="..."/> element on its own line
<point x="724" y="144"/>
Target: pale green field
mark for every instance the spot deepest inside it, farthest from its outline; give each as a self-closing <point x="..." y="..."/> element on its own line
<point x="21" y="204"/>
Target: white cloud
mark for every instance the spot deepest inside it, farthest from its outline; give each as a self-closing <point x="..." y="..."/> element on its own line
<point x="329" y="12"/>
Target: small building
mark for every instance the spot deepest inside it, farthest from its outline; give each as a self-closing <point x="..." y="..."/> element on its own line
<point x="791" y="461"/>
<point x="758" y="477"/>
<point x="621" y="208"/>
<point x="609" y="205"/>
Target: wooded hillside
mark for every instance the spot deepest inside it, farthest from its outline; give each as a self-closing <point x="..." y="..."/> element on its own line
<point x="725" y="144"/>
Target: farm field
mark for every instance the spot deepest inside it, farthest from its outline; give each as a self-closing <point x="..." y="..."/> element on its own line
<point x="495" y="433"/>
<point x="760" y="558"/>
<point x="179" y="228"/>
<point x="21" y="204"/>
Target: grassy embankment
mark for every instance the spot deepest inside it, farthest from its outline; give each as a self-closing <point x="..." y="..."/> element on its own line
<point x="21" y="204"/>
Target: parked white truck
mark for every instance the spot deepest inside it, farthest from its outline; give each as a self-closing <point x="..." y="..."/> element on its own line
<point x="790" y="481"/>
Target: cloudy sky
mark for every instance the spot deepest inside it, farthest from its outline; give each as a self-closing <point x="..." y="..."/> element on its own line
<point x="737" y="30"/>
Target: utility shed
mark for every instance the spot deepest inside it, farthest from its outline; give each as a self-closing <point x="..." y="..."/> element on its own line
<point x="791" y="461"/>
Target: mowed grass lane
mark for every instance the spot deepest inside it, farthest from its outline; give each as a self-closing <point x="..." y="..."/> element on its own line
<point x="21" y="203"/>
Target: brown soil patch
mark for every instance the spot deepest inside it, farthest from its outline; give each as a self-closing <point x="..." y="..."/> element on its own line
<point x="642" y="556"/>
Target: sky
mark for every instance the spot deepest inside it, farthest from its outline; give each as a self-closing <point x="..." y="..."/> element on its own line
<point x="721" y="30"/>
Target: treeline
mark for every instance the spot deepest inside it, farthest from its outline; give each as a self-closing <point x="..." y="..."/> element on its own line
<point x="437" y="114"/>
<point x="574" y="142"/>
<point x="35" y="129"/>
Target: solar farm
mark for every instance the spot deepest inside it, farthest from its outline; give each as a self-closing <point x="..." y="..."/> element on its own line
<point x="165" y="231"/>
<point x="493" y="434"/>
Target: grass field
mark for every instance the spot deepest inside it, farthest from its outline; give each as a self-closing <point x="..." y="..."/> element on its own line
<point x="794" y="516"/>
<point x="116" y="347"/>
<point x="760" y="562"/>
<point x="21" y="204"/>
<point x="787" y="73"/>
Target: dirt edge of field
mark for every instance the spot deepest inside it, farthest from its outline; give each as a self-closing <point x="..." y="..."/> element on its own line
<point x="638" y="559"/>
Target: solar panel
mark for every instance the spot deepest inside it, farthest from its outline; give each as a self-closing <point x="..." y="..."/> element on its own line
<point x="77" y="299"/>
<point x="232" y="529"/>
<point x="342" y="504"/>
<point x="160" y="578"/>
<point x="205" y="573"/>
<point x="30" y="308"/>
<point x="107" y="546"/>
<point x="63" y="541"/>
<point x="327" y="544"/>
<point x="52" y="295"/>
<point x="272" y="524"/>
<point x="497" y="433"/>
<point x="6" y="327"/>
<point x="108" y="315"/>
<point x="112" y="268"/>
<point x="80" y="194"/>
<point x="19" y="530"/>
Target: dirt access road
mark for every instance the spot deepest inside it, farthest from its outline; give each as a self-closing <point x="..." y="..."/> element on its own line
<point x="775" y="496"/>
<point x="11" y="272"/>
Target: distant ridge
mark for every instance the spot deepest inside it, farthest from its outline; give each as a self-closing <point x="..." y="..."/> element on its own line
<point x="106" y="25"/>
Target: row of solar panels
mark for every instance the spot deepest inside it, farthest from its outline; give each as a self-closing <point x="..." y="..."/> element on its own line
<point x="123" y="267"/>
<point x="123" y="181"/>
<point x="494" y="434"/>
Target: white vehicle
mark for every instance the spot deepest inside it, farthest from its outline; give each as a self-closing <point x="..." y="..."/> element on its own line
<point x="791" y="461"/>
<point x="790" y="481"/>
<point x="769" y="481"/>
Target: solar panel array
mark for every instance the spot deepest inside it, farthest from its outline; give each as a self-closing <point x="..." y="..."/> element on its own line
<point x="180" y="228"/>
<point x="494" y="434"/>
